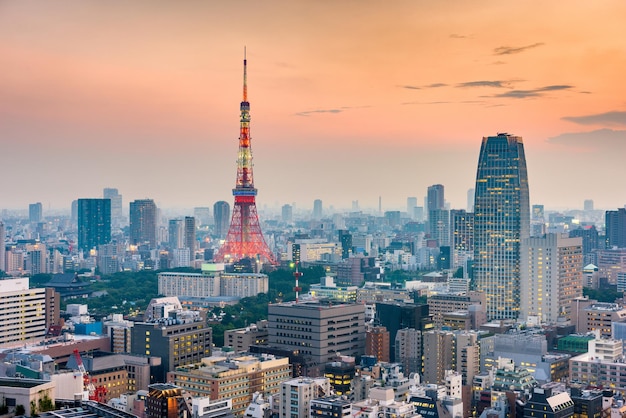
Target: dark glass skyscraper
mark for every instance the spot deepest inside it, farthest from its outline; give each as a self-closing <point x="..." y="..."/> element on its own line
<point x="501" y="222"/>
<point x="221" y="213"/>
<point x="94" y="223"/>
<point x="143" y="222"/>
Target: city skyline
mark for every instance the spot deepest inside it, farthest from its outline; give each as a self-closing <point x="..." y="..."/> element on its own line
<point x="350" y="101"/>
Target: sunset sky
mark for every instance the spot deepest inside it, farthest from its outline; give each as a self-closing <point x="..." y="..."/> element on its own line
<point x="350" y="100"/>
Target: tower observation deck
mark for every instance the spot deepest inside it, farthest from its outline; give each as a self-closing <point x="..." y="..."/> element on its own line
<point x="245" y="238"/>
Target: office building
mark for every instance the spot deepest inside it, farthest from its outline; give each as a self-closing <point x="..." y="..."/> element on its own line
<point x="317" y="209"/>
<point x="548" y="404"/>
<point x="236" y="378"/>
<point x="331" y="407"/>
<point x="610" y="262"/>
<point x="439" y="355"/>
<point x="117" y="208"/>
<point x="178" y="341"/>
<point x="287" y="213"/>
<point x="551" y="276"/>
<point x="470" y="200"/>
<point x="439" y="226"/>
<point x="143" y="222"/>
<point x="602" y="366"/>
<point x="35" y="212"/>
<point x="175" y="229"/>
<point x="36" y="258"/>
<point x="588" y="205"/>
<point x="434" y="198"/>
<point x="408" y="347"/>
<point x="398" y="315"/>
<point x="296" y="395"/>
<point x="591" y="242"/>
<point x="189" y="230"/>
<point x="461" y="237"/>
<point x="22" y="312"/>
<point x="203" y="216"/>
<point x="241" y="339"/>
<point x="166" y="400"/>
<point x="221" y="215"/>
<point x="615" y="221"/>
<point x="411" y="204"/>
<point x="377" y="343"/>
<point x="319" y="330"/>
<point x="501" y="222"/>
<point x="94" y="223"/>
<point x="442" y="303"/>
<point x="345" y="240"/>
<point x="592" y="316"/>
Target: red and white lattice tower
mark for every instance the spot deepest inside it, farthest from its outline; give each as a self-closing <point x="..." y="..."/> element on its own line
<point x="244" y="238"/>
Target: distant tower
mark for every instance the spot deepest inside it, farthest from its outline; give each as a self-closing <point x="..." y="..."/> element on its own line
<point x="615" y="221"/>
<point x="470" y="200"/>
<point x="501" y="223"/>
<point x="35" y="212"/>
<point x="588" y="205"/>
<point x="176" y="236"/>
<point x="244" y="238"/>
<point x="411" y="204"/>
<point x="435" y="198"/>
<point x="143" y="222"/>
<point x="190" y="235"/>
<point x="117" y="213"/>
<point x="287" y="213"/>
<point x="317" y="209"/>
<point x="94" y="223"/>
<point x="221" y="215"/>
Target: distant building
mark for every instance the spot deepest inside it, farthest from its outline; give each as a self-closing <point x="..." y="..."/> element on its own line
<point x="35" y="212"/>
<point x="221" y="215"/>
<point x="317" y="209"/>
<point x="287" y="213"/>
<point x="143" y="222"/>
<point x="615" y="221"/>
<point x="94" y="223"/>
<point x="117" y="211"/>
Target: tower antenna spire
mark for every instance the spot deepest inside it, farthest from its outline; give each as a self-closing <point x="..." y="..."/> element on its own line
<point x="244" y="238"/>
<point x="245" y="76"/>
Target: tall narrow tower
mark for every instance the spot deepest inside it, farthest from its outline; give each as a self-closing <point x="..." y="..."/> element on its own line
<point x="244" y="238"/>
<point x="501" y="223"/>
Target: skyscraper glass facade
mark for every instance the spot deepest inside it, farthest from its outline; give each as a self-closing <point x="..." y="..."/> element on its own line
<point x="501" y="221"/>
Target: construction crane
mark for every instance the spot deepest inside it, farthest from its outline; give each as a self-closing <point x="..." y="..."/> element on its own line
<point x="97" y="394"/>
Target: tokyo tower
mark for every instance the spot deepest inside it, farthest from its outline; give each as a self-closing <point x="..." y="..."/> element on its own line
<point x="244" y="238"/>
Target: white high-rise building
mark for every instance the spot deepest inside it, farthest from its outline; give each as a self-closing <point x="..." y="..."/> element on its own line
<point x="22" y="312"/>
<point x="296" y="395"/>
<point x="551" y="276"/>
